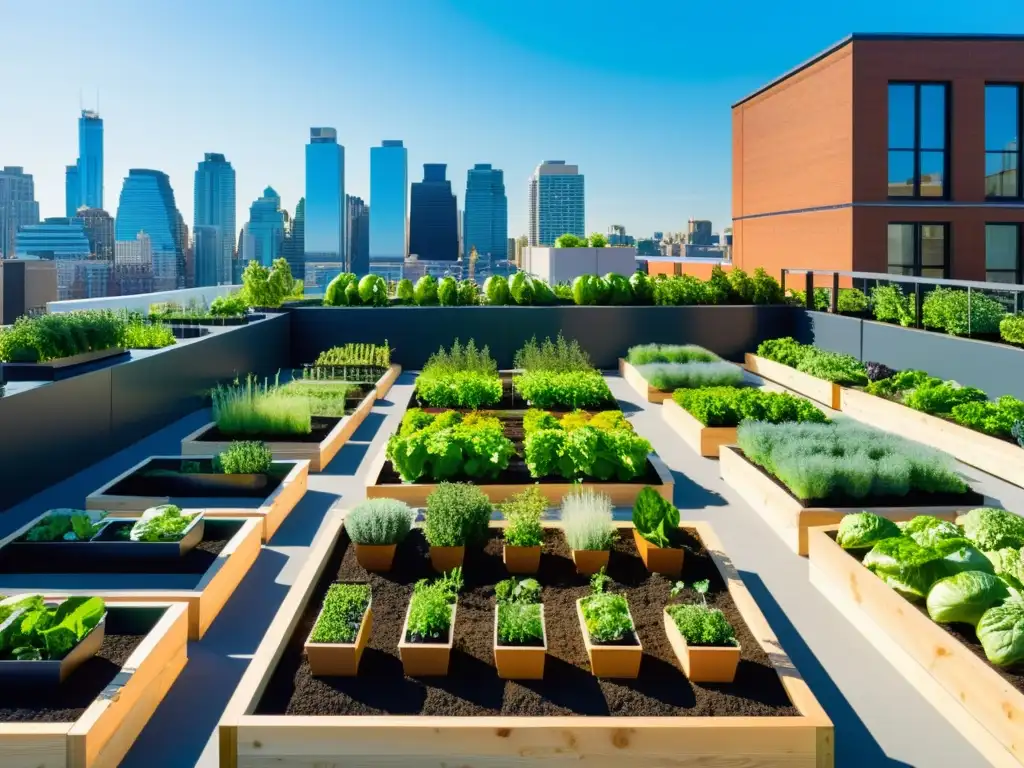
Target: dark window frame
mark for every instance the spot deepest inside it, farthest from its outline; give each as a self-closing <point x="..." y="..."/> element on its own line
<point x="917" y="149"/>
<point x="1020" y="130"/>
<point x="917" y="265"/>
<point x="1018" y="273"/>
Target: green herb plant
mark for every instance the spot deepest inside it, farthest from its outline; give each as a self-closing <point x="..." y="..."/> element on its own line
<point x="379" y="522"/>
<point x="560" y="355"/>
<point x="342" y="614"/>
<point x="523" y="512"/>
<point x="449" y="445"/>
<point x="587" y="520"/>
<point x="655" y="518"/>
<point x="577" y="446"/>
<point x="513" y="590"/>
<point x="244" y="457"/>
<point x="259" y="409"/>
<point x="163" y="523"/>
<point x="64" y="525"/>
<point x="430" y="610"/>
<point x="457" y="515"/>
<point x="728" y="406"/>
<point x="607" y="617"/>
<point x="599" y="582"/>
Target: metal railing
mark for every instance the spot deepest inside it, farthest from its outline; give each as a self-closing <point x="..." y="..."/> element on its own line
<point x="920" y="288"/>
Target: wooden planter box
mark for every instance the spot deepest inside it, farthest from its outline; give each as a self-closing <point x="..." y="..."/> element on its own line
<point x="520" y="662"/>
<point x="109" y="726"/>
<point x="704" y="440"/>
<point x="825" y="392"/>
<point x="521" y="560"/>
<point x="376" y="557"/>
<point x="973" y="697"/>
<point x="590" y="561"/>
<point x="989" y="454"/>
<point x="385" y="382"/>
<point x="445" y="559"/>
<point x="204" y="601"/>
<point x="635" y="379"/>
<point x="340" y="659"/>
<point x="664" y="560"/>
<point x="615" y="661"/>
<point x="786" y="515"/>
<point x="255" y="741"/>
<point x="702" y="664"/>
<point x="318" y="455"/>
<point x="415" y="494"/>
<point x="272" y="510"/>
<point x="427" y="659"/>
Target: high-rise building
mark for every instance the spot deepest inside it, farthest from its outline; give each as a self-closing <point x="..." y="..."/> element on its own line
<point x="61" y="240"/>
<point x="90" y="159"/>
<point x="186" y="267"/>
<point x="266" y="227"/>
<point x="295" y="242"/>
<point x="698" y="232"/>
<point x="72" y="191"/>
<point x="433" y="219"/>
<point x="137" y="252"/>
<point x="93" y="279"/>
<point x="206" y="246"/>
<point x="485" y="224"/>
<point x="214" y="206"/>
<point x="389" y="200"/>
<point x="325" y="237"/>
<point x="18" y="206"/>
<point x="25" y="287"/>
<point x="99" y="228"/>
<point x="556" y="203"/>
<point x="147" y="205"/>
<point x="357" y="215"/>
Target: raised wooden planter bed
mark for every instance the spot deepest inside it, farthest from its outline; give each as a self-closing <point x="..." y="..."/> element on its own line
<point x="635" y="379"/>
<point x="386" y="381"/>
<point x="791" y="520"/>
<point x="825" y="392"/>
<point x="621" y="494"/>
<point x="63" y="367"/>
<point x="147" y="645"/>
<point x="271" y="510"/>
<point x="976" y="699"/>
<point x="254" y="733"/>
<point x="318" y="454"/>
<point x="999" y="458"/>
<point x="704" y="440"/>
<point x="215" y="568"/>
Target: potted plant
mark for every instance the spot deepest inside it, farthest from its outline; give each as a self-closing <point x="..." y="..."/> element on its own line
<point x="703" y="639"/>
<point x="376" y="526"/>
<point x="656" y="532"/>
<point x="42" y="643"/>
<point x="523" y="534"/>
<point x="341" y="631"/>
<point x="608" y="632"/>
<point x="457" y="515"/>
<point x="520" y="635"/>
<point x="425" y="644"/>
<point x="589" y="530"/>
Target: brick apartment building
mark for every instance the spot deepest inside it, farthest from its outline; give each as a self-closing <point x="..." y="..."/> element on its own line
<point x="886" y="153"/>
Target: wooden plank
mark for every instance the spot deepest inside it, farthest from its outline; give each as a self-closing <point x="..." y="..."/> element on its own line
<point x="704" y="440"/>
<point x="251" y="741"/>
<point x="385" y="382"/>
<point x="989" y="454"/>
<point x="976" y="700"/>
<point x="39" y="745"/>
<point x="636" y="380"/>
<point x="825" y="392"/>
<point x="786" y="515"/>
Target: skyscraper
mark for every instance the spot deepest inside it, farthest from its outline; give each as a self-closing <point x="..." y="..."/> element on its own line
<point x="357" y="214"/>
<point x="295" y="242"/>
<point x="266" y="227"/>
<point x="61" y="240"/>
<point x="433" y="220"/>
<point x="485" y="224"/>
<point x="99" y="228"/>
<point x="72" y="191"/>
<point x="325" y="237"/>
<point x="18" y="206"/>
<point x="556" y="203"/>
<point x="389" y="200"/>
<point x="90" y="159"/>
<point x="209" y="253"/>
<point x="214" y="206"/>
<point x="147" y="205"/>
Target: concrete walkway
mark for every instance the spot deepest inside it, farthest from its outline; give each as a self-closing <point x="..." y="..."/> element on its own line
<point x="880" y="720"/>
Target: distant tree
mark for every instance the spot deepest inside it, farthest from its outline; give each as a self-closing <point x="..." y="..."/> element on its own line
<point x="570" y="241"/>
<point x="597" y="240"/>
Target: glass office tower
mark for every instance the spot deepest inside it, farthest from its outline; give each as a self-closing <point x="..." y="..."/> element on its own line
<point x="266" y="228"/>
<point x="389" y="202"/>
<point x="557" y="202"/>
<point x="214" y="206"/>
<point x="90" y="159"/>
<point x="433" y="219"/>
<point x="325" y="235"/>
<point x="147" y="205"/>
<point x="485" y="220"/>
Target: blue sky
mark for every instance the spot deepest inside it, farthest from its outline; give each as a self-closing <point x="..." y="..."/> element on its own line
<point x="637" y="94"/>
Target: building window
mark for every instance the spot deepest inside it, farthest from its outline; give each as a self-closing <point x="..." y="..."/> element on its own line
<point x="1003" y="118"/>
<point x="1002" y="253"/>
<point x="918" y="135"/>
<point x="920" y="250"/>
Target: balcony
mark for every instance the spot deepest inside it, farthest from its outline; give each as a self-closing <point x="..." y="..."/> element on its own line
<point x="821" y="672"/>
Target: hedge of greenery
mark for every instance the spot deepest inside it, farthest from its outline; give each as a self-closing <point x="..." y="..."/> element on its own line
<point x="728" y="406"/>
<point x="65" y="334"/>
<point x="463" y="377"/>
<point x="831" y="366"/>
<point x="558" y="374"/>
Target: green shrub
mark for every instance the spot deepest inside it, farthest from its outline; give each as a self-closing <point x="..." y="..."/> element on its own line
<point x="890" y="304"/>
<point x="447" y="445"/>
<point x="558" y="355"/>
<point x="64" y="334"/>
<point x="717" y="289"/>
<point x="728" y="406"/>
<point x="643" y="288"/>
<point x="900" y="382"/>
<point x="942" y="397"/>
<point x="457" y="515"/>
<point x="766" y="288"/>
<point x="430" y="609"/>
<point x="513" y="590"/>
<point x="425" y="292"/>
<point x="845" y="459"/>
<point x="523" y="512"/>
<point x="469" y="293"/>
<point x="785" y="351"/>
<point x="587" y="290"/>
<point x="823" y="364"/>
<point x="460" y="358"/>
<point x="335" y="295"/>
<point x="607" y="618"/>
<point x="465" y="389"/>
<point x="702" y="626"/>
<point x="448" y="292"/>
<point x="947" y="309"/>
<point x="655" y="518"/>
<point x="232" y="305"/>
<point x="993" y="418"/>
<point x="587" y="520"/>
<point x="496" y="290"/>
<point x="671" y="376"/>
<point x="680" y="290"/>
<point x="342" y="614"/>
<point x="619" y="290"/>
<point x="141" y="335"/>
<point x="255" y="409"/>
<point x="669" y="353"/>
<point x="519" y="624"/>
<point x="521" y="288"/>
<point x="799" y="298"/>
<point x="378" y="522"/>
<point x="852" y="301"/>
<point x="1011" y="329"/>
<point x="404" y="292"/>
<point x="742" y="286"/>
<point x="267" y="287"/>
<point x="563" y="293"/>
<point x="570" y="389"/>
<point x="244" y="457"/>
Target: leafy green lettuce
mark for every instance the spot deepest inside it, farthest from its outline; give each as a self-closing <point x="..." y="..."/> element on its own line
<point x="964" y="597"/>
<point x="1009" y="566"/>
<point x="33" y="630"/>
<point x="655" y="518"/>
<point x="864" y="529"/>
<point x="1001" y="632"/>
<point x="911" y="569"/>
<point x="990" y="529"/>
<point x="926" y="530"/>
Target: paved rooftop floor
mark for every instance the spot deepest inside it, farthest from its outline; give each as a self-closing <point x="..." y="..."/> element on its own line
<point x="879" y="719"/>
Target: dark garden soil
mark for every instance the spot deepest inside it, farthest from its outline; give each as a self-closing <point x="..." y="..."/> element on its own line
<point x="963" y="633"/>
<point x="68" y="701"/>
<point x="472" y="687"/>
<point x="968" y="500"/>
<point x="164" y="477"/>
<point x="322" y="426"/>
<point x="197" y="561"/>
